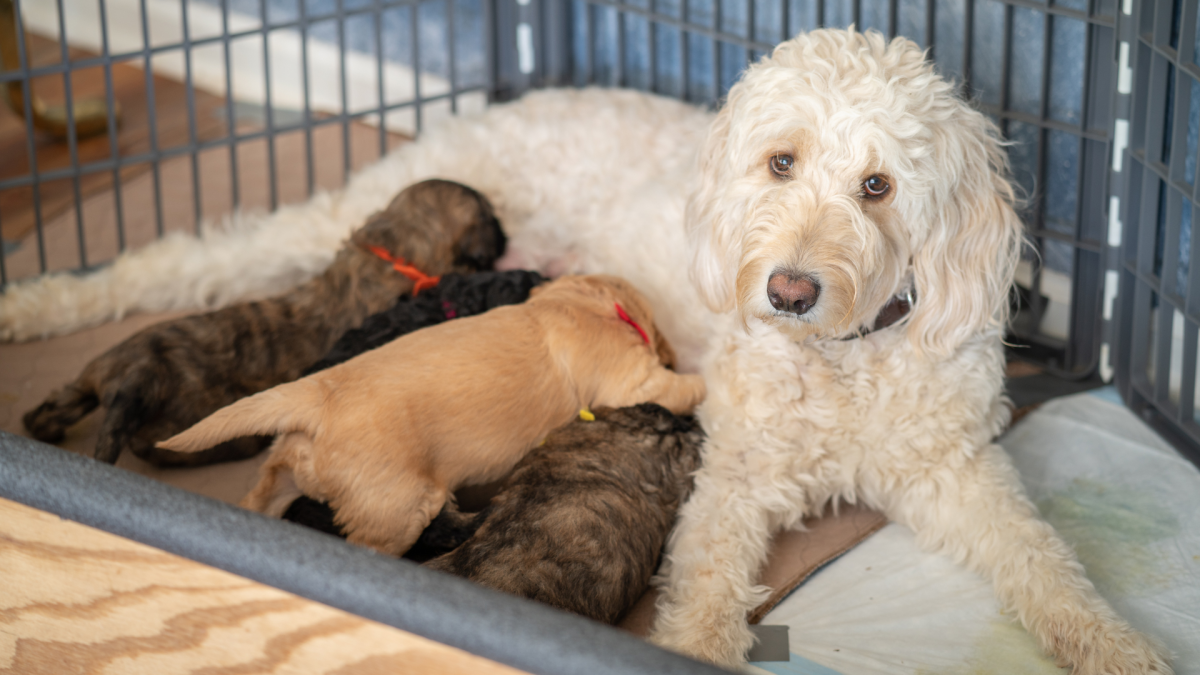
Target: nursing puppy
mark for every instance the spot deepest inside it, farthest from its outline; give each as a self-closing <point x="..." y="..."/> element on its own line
<point x="581" y="522"/>
<point x="455" y="296"/>
<point x="387" y="436"/>
<point x="173" y="374"/>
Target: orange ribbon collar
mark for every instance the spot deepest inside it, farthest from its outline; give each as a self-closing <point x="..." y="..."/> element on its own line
<point x="625" y="317"/>
<point x="421" y="281"/>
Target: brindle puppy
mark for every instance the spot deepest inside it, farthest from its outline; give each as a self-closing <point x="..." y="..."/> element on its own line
<point x="171" y="375"/>
<point x="581" y="521"/>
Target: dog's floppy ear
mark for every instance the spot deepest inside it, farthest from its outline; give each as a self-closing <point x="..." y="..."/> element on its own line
<point x="710" y="218"/>
<point x="964" y="268"/>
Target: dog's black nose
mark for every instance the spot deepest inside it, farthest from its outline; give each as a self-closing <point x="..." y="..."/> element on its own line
<point x="792" y="293"/>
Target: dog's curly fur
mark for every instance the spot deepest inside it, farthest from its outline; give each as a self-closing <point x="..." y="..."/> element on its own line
<point x="455" y="296"/>
<point x="842" y="170"/>
<point x="596" y="181"/>
<point x="173" y="374"/>
<point x="581" y="521"/>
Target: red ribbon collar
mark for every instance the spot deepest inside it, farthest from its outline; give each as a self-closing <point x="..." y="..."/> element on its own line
<point x="421" y="281"/>
<point x="625" y="317"/>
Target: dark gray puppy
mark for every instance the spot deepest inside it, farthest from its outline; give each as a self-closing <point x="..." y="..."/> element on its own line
<point x="581" y="522"/>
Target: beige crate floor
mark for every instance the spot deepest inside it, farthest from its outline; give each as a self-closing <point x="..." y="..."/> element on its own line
<point x="30" y="371"/>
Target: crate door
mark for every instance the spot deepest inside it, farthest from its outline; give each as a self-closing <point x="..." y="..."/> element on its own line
<point x="1157" y="307"/>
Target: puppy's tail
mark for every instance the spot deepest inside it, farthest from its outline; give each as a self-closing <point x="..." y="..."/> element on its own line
<point x="291" y="407"/>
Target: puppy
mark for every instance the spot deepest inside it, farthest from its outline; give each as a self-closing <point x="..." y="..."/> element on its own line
<point x="581" y="521"/>
<point x="385" y="437"/>
<point x="173" y="374"/>
<point x="455" y="296"/>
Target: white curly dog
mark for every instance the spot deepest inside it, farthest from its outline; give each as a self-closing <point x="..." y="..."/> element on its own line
<point x="847" y="222"/>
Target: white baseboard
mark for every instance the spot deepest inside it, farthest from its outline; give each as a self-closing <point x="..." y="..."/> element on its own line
<point x="249" y="77"/>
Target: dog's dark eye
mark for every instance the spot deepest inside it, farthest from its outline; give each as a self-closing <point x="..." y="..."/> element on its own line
<point x="781" y="165"/>
<point x="876" y="186"/>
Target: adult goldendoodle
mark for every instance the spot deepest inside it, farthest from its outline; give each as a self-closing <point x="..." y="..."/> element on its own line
<point x="852" y="229"/>
<point x="849" y="226"/>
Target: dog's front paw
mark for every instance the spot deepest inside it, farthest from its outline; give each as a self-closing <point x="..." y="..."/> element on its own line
<point x="1114" y="650"/>
<point x="722" y="645"/>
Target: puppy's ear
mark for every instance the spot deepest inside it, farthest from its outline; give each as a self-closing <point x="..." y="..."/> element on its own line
<point x="964" y="269"/>
<point x="482" y="241"/>
<point x="712" y="218"/>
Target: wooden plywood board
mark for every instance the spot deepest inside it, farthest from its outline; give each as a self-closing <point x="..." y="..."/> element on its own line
<point x="79" y="600"/>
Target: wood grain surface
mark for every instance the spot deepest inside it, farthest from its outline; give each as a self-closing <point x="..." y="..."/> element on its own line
<point x="74" y="599"/>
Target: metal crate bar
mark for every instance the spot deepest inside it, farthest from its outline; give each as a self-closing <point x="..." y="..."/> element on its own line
<point x="72" y="140"/>
<point x="78" y="64"/>
<point x="184" y="150"/>
<point x="1158" y="266"/>
<point x="301" y="22"/>
<point x="27" y="103"/>
<point x="110" y="105"/>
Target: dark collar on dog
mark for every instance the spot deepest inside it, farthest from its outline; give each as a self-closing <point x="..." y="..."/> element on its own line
<point x="897" y="308"/>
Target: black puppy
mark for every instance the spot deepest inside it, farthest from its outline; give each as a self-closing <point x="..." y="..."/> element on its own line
<point x="456" y="295"/>
<point x="582" y="520"/>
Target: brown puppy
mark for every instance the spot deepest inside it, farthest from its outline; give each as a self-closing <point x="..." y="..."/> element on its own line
<point x="385" y="437"/>
<point x="171" y="375"/>
<point x="581" y="521"/>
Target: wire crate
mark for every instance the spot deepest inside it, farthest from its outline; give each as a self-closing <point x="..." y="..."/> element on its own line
<point x="267" y="81"/>
<point x="1156" y="305"/>
<point x="119" y="110"/>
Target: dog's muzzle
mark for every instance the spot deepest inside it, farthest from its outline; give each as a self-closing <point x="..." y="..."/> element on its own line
<point x="795" y="293"/>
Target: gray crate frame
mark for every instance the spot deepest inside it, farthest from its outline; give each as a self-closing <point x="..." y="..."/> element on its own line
<point x="1153" y="192"/>
<point x="155" y="156"/>
<point x="558" y="60"/>
<point x="526" y="635"/>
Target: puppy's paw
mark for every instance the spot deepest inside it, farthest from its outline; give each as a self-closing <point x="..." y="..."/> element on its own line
<point x="49" y="421"/>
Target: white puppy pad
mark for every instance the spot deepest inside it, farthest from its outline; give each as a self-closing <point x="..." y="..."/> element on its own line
<point x="1123" y="497"/>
